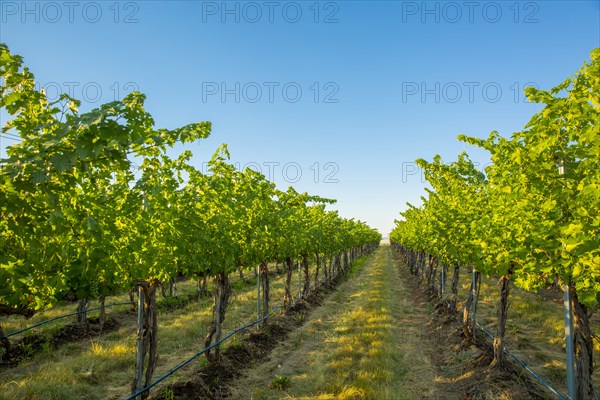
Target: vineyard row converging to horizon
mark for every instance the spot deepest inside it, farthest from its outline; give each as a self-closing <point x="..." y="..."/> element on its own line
<point x="76" y="223"/>
<point x="532" y="218"/>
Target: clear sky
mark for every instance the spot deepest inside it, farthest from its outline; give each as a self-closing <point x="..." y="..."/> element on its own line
<point x="337" y="98"/>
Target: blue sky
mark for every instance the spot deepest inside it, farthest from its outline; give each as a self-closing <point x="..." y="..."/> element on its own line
<point x="335" y="98"/>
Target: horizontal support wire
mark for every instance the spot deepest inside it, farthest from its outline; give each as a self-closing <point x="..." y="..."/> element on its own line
<point x="60" y="317"/>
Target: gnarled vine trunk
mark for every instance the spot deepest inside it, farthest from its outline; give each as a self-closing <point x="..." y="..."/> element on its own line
<point x="172" y="288"/>
<point x="4" y="342"/>
<point x="443" y="273"/>
<point x="147" y="336"/>
<point x="306" y="286"/>
<point x="82" y="311"/>
<point x="498" y="360"/>
<point x="264" y="278"/>
<point x="131" y="294"/>
<point x="467" y="309"/>
<point x="584" y="350"/>
<point x="221" y="300"/>
<point x="204" y="286"/>
<point x="201" y="286"/>
<point x="346" y="263"/>
<point x="454" y="290"/>
<point x="287" y="299"/>
<point x="318" y="258"/>
<point x="429" y="271"/>
<point x="415" y="263"/>
<point x="102" y="317"/>
<point x="434" y="265"/>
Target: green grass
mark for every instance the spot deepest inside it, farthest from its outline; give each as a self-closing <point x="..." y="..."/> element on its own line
<point x="280" y="382"/>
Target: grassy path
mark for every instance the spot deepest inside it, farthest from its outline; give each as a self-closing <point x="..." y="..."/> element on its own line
<point x="364" y="342"/>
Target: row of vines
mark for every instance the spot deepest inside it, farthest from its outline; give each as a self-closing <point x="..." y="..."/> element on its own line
<point x="77" y="223"/>
<point x="532" y="218"/>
